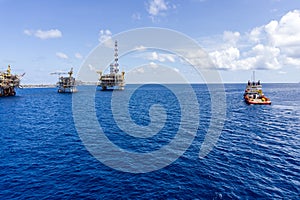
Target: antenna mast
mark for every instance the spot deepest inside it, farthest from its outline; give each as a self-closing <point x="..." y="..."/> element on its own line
<point x="114" y="68"/>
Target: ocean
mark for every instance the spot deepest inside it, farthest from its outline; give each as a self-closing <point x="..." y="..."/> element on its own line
<point x="43" y="154"/>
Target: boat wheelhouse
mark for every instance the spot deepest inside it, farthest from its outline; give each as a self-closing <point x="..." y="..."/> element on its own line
<point x="253" y="93"/>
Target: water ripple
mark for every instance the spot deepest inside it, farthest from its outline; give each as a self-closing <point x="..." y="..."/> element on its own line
<point x="257" y="155"/>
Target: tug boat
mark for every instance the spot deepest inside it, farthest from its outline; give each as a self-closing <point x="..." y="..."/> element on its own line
<point x="254" y="94"/>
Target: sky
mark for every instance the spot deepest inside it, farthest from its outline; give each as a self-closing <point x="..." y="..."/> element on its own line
<point x="239" y="36"/>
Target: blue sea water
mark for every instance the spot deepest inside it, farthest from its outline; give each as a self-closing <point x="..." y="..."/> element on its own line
<point x="257" y="155"/>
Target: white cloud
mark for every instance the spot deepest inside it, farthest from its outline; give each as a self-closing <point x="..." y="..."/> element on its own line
<point x="266" y="56"/>
<point x="255" y="35"/>
<point x="259" y="57"/>
<point x="292" y="61"/>
<point x="153" y="65"/>
<point x="231" y="37"/>
<point x="53" y="33"/>
<point x="195" y="57"/>
<point x="282" y="72"/>
<point x="285" y="32"/>
<point x="105" y="37"/>
<point x="44" y="34"/>
<point x="140" y="48"/>
<point x="62" y="55"/>
<point x="78" y="56"/>
<point x="27" y="32"/>
<point x="139" y="70"/>
<point x="161" y="57"/>
<point x="154" y="56"/>
<point x="156" y="7"/>
<point x="271" y="46"/>
<point x="136" y="16"/>
<point x="92" y="68"/>
<point x="176" y="70"/>
<point x="225" y="59"/>
<point x="153" y="73"/>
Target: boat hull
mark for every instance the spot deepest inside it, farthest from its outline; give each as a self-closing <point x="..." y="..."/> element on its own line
<point x="254" y="94"/>
<point x="257" y="101"/>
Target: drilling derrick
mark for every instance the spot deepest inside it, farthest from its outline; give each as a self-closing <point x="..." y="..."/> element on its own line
<point x="114" y="80"/>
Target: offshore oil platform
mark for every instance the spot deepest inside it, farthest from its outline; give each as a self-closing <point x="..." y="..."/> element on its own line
<point x="114" y="80"/>
<point x="8" y="82"/>
<point x="66" y="84"/>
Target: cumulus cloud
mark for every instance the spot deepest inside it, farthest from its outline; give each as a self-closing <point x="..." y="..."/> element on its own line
<point x="266" y="57"/>
<point x="270" y="46"/>
<point x="62" y="55"/>
<point x="291" y="61"/>
<point x="105" y="37"/>
<point x="231" y="37"/>
<point x="285" y="32"/>
<point x="140" y="48"/>
<point x="161" y="57"/>
<point x="226" y="59"/>
<point x="153" y="65"/>
<point x="140" y="70"/>
<point x="156" y="7"/>
<point x="154" y="56"/>
<point x="195" y="57"/>
<point x="44" y="34"/>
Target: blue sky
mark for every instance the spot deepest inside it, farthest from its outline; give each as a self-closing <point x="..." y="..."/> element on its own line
<point x="40" y="37"/>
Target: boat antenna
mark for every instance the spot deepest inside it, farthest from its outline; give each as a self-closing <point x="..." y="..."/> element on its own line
<point x="253" y="76"/>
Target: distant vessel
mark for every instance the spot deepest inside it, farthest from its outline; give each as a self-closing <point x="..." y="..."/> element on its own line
<point x="114" y="80"/>
<point x="254" y="94"/>
<point x="66" y="84"/>
<point x="8" y="82"/>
